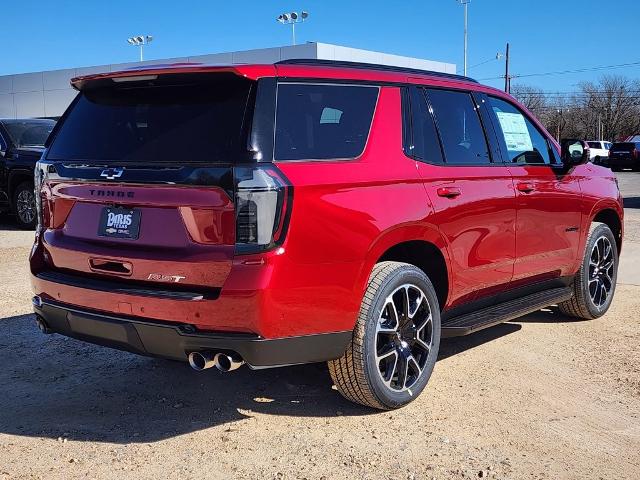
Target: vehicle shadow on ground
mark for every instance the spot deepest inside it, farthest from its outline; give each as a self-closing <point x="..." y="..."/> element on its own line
<point x="631" y="202"/>
<point x="548" y="315"/>
<point x="53" y="386"/>
<point x="7" y="222"/>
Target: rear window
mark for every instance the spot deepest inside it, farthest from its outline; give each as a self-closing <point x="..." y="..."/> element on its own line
<point x="625" y="146"/>
<point x="321" y="122"/>
<point x="202" y="121"/>
<point x="29" y="133"/>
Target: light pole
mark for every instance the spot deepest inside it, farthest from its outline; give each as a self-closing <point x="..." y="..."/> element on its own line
<point x="291" y="19"/>
<point x="140" y="41"/>
<point x="465" y="4"/>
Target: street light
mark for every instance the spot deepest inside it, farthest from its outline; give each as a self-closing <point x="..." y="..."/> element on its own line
<point x="465" y="3"/>
<point x="291" y="19"/>
<point x="140" y="41"/>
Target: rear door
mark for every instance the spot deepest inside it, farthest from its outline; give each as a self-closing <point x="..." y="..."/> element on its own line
<point x="139" y="185"/>
<point x="549" y="198"/>
<point x="471" y="190"/>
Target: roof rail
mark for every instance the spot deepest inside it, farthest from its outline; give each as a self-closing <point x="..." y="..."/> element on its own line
<point x="371" y="66"/>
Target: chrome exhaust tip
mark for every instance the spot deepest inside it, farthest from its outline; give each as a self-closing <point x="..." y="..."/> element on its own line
<point x="227" y="363"/>
<point x="201" y="360"/>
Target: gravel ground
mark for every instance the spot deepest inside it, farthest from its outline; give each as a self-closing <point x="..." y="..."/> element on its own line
<point x="542" y="397"/>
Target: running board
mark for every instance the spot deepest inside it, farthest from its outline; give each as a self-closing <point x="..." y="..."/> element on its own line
<point x="503" y="312"/>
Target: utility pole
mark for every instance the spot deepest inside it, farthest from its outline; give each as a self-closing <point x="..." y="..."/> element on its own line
<point x="507" y="77"/>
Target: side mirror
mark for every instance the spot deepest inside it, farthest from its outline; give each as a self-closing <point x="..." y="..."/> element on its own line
<point x="574" y="152"/>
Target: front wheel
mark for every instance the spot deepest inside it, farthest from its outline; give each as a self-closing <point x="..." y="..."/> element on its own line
<point x="24" y="205"/>
<point x="395" y="341"/>
<point x="595" y="283"/>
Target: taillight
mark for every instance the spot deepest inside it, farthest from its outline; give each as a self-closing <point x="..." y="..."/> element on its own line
<point x="39" y="176"/>
<point x="263" y="207"/>
<point x="42" y="173"/>
<point x="635" y="153"/>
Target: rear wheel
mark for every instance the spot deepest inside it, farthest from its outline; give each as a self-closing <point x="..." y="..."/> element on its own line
<point x="595" y="283"/>
<point x="24" y="205"/>
<point x="395" y="342"/>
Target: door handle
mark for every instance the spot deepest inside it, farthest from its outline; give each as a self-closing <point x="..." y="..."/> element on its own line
<point x="525" y="187"/>
<point x="449" y="192"/>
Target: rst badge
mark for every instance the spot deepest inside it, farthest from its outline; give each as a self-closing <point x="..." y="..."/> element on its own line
<point x="161" y="277"/>
<point x="119" y="223"/>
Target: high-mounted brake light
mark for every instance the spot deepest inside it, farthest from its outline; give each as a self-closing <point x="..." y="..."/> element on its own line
<point x="263" y="207"/>
<point x="135" y="78"/>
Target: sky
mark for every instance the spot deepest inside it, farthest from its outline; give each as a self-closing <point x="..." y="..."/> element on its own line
<point x="545" y="35"/>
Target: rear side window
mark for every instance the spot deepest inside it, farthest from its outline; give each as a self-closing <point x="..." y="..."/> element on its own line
<point x="322" y="122"/>
<point x="523" y="141"/>
<point x="423" y="143"/>
<point x="459" y="126"/>
<point x="594" y="145"/>
<point x="200" y="121"/>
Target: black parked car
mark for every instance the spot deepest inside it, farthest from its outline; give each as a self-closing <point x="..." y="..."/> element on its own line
<point x="21" y="144"/>
<point x="624" y="155"/>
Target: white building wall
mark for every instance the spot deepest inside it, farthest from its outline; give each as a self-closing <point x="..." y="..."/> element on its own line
<point x="47" y="94"/>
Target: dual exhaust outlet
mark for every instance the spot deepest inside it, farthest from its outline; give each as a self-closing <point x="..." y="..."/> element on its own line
<point x="199" y="361"/>
<point x="222" y="361"/>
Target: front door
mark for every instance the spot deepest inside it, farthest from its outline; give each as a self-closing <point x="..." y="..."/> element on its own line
<point x="548" y="199"/>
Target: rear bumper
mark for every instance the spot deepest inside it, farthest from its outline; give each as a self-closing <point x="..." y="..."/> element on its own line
<point x="175" y="341"/>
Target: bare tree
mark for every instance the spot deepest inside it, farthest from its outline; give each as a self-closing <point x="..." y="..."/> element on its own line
<point x="531" y="97"/>
<point x="609" y="108"/>
<point x="613" y="104"/>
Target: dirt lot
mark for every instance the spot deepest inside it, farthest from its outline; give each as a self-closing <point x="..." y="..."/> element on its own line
<point x="543" y="397"/>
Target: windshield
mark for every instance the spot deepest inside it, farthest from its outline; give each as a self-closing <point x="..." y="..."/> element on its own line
<point x="28" y="133"/>
<point x="201" y="120"/>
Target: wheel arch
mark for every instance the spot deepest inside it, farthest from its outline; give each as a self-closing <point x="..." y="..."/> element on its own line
<point x="611" y="216"/>
<point x="421" y="246"/>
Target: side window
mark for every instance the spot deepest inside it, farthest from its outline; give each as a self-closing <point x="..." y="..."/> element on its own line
<point x="523" y="142"/>
<point x="3" y="144"/>
<point x="425" y="145"/>
<point x="321" y="122"/>
<point x="463" y="138"/>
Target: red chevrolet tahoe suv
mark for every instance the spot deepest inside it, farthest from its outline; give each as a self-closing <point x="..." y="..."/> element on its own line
<point x="312" y="211"/>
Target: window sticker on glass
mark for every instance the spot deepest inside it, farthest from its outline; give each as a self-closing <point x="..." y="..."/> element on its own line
<point x="516" y="133"/>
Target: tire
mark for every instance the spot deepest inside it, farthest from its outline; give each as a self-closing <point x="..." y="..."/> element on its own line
<point x="24" y="206"/>
<point x="372" y="371"/>
<point x="591" y="281"/>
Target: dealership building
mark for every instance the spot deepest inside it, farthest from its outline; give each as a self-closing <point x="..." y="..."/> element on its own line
<point x="48" y="93"/>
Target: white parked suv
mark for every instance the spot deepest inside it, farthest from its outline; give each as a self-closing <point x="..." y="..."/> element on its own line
<point x="598" y="150"/>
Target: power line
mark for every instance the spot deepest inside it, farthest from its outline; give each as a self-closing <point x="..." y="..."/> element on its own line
<point x="564" y="72"/>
